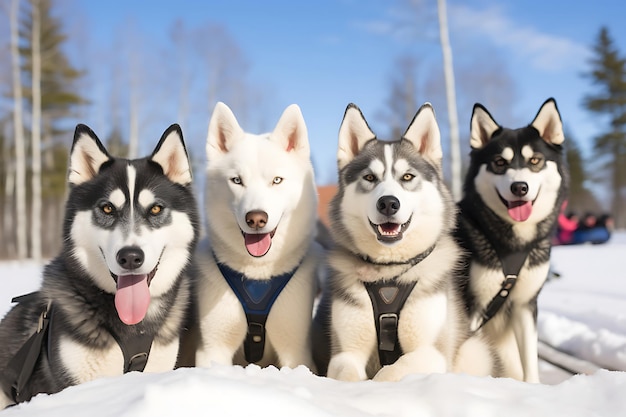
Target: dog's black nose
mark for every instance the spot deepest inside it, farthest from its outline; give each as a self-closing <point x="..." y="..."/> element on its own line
<point x="519" y="188"/>
<point x="388" y="205"/>
<point x="130" y="257"/>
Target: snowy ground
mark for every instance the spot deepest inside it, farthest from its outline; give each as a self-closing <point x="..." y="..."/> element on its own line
<point x="583" y="312"/>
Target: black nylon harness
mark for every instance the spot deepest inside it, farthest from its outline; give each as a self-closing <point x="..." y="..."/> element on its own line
<point x="257" y="298"/>
<point x="388" y="298"/>
<point x="21" y="366"/>
<point x="512" y="263"/>
<point x="511" y="266"/>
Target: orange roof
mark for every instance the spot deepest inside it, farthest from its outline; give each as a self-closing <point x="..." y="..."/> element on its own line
<point x="324" y="194"/>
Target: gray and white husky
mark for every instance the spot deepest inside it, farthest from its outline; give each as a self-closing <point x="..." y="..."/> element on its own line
<point x="117" y="296"/>
<point x="258" y="264"/>
<point x="515" y="185"/>
<point x="389" y="308"/>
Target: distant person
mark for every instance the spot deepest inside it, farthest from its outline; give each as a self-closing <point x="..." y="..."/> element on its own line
<point x="594" y="230"/>
<point x="566" y="225"/>
<point x="606" y="225"/>
<point x="588" y="221"/>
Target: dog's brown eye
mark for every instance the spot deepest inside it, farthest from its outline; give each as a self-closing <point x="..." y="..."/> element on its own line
<point x="107" y="208"/>
<point x="499" y="162"/>
<point x="536" y="162"/>
<point x="499" y="165"/>
<point x="369" y="178"/>
<point x="407" y="177"/>
<point x="156" y="209"/>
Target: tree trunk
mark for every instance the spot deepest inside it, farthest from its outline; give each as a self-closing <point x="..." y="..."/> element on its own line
<point x="18" y="130"/>
<point x="36" y="132"/>
<point x="8" y="211"/>
<point x="448" y="70"/>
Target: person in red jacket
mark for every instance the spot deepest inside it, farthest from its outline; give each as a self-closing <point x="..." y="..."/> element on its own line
<point x="566" y="226"/>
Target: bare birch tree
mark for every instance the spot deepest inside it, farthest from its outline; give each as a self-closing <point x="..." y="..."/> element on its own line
<point x="448" y="69"/>
<point x="9" y="198"/>
<point x="18" y="134"/>
<point x="35" y="229"/>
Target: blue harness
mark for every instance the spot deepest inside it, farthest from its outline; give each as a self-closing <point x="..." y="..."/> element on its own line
<point x="256" y="297"/>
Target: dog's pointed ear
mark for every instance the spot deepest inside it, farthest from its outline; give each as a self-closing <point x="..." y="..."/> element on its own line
<point x="423" y="133"/>
<point x="171" y="154"/>
<point x="548" y="123"/>
<point x="353" y="134"/>
<point x="223" y="131"/>
<point x="482" y="127"/>
<point x="86" y="157"/>
<point x="291" y="132"/>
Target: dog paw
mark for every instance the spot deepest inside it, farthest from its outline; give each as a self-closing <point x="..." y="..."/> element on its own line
<point x="389" y="373"/>
<point x="344" y="368"/>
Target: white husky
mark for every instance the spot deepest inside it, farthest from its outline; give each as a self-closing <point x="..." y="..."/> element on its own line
<point x="258" y="265"/>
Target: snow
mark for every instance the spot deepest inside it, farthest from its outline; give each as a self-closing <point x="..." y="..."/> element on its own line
<point x="582" y="312"/>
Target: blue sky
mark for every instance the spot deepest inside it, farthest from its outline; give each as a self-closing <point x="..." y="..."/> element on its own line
<point x="325" y="54"/>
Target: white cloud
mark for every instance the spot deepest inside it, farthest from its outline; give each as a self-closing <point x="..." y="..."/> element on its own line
<point x="542" y="51"/>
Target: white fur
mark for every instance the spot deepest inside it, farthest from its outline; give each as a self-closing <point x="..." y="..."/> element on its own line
<point x="5" y="401"/>
<point x="543" y="189"/>
<point x="514" y="336"/>
<point x="482" y="127"/>
<point x="257" y="160"/>
<point x="429" y="328"/>
<point x="85" y="160"/>
<point x="96" y="248"/>
<point x="84" y="364"/>
<point x="548" y="123"/>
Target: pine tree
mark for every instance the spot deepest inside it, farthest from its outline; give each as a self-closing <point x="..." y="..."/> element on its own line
<point x="608" y="76"/>
<point x="581" y="199"/>
<point x="49" y="90"/>
<point x="59" y="95"/>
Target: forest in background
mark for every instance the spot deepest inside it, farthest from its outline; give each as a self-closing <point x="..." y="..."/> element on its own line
<point x="42" y="98"/>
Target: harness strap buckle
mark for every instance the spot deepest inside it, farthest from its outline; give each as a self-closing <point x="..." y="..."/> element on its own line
<point x="137" y="362"/>
<point x="256" y="332"/>
<point x="388" y="323"/>
<point x="254" y="344"/>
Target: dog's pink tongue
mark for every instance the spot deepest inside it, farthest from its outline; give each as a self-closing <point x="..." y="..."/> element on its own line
<point x="520" y="210"/>
<point x="132" y="298"/>
<point x="258" y="244"/>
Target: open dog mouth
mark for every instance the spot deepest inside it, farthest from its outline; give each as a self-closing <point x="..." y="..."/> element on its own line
<point x="258" y="244"/>
<point x="132" y="297"/>
<point x="519" y="210"/>
<point x="390" y="232"/>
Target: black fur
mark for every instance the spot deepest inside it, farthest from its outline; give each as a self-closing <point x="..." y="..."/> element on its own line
<point x="480" y="230"/>
<point x="81" y="310"/>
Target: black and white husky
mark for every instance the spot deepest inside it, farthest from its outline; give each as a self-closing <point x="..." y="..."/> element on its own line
<point x="514" y="187"/>
<point x="116" y="298"/>
<point x="390" y="308"/>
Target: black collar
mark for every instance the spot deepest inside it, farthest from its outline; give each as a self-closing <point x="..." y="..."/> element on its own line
<point x="411" y="262"/>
